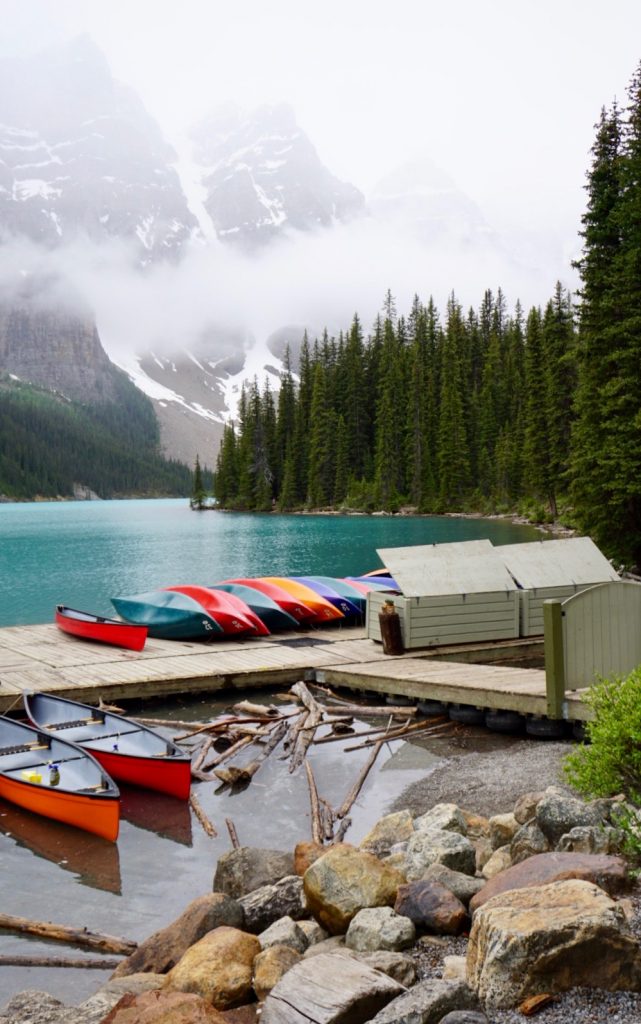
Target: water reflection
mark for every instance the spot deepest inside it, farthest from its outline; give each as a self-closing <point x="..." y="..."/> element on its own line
<point x="155" y="812"/>
<point x="94" y="861"/>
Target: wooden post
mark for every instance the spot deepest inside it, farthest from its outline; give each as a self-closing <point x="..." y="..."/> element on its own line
<point x="554" y="658"/>
<point x="390" y="624"/>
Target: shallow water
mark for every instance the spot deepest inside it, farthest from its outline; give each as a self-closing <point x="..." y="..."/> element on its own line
<point x="163" y="859"/>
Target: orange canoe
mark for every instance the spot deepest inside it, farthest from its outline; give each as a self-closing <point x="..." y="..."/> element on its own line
<point x="49" y="776"/>
<point x="324" y="610"/>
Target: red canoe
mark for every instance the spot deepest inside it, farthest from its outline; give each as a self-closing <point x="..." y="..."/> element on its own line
<point x="129" y="751"/>
<point x="96" y="627"/>
<point x="297" y="609"/>
<point x="231" y="614"/>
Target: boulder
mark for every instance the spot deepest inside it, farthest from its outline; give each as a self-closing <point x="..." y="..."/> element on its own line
<point x="432" y="907"/>
<point x="163" y="1008"/>
<point x="329" y="989"/>
<point x="284" y="932"/>
<point x="463" y="886"/>
<point x="162" y="950"/>
<point x="557" y="813"/>
<point x="439" y="846"/>
<point x="477" y="824"/>
<point x="443" y="816"/>
<point x="499" y="861"/>
<point x="610" y="873"/>
<point x="525" y="806"/>
<point x="379" y="928"/>
<point x="335" y="944"/>
<point x="454" y="968"/>
<point x="548" y="939"/>
<point x="305" y="854"/>
<point x="312" y="931"/>
<point x="285" y="898"/>
<point x="345" y="881"/>
<point x="427" y="1003"/>
<point x="247" y="868"/>
<point x="502" y="828"/>
<point x="590" y="839"/>
<point x="396" y="965"/>
<point x="389" y="831"/>
<point x="101" y="1002"/>
<point x="218" y="968"/>
<point x="270" y="966"/>
<point x="528" y="841"/>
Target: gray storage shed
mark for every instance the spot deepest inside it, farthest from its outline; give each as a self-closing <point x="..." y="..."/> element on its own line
<point x="549" y="569"/>
<point x="451" y="593"/>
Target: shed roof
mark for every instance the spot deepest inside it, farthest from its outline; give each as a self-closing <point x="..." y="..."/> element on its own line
<point x="556" y="563"/>
<point x="433" y="570"/>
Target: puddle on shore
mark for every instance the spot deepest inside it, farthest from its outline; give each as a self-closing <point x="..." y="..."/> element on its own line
<point x="163" y="859"/>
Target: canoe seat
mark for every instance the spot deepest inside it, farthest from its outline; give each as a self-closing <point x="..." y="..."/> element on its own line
<point x="74" y="723"/>
<point x="21" y="748"/>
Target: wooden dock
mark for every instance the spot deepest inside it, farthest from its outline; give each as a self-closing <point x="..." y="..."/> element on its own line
<point x="43" y="658"/>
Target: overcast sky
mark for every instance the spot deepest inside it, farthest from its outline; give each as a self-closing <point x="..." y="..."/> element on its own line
<point x="501" y="94"/>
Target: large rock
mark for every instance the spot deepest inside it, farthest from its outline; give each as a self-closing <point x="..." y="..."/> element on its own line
<point x="525" y="806"/>
<point x="305" y="853"/>
<point x="218" y="968"/>
<point x="498" y="862"/>
<point x="162" y="950"/>
<point x="329" y="989"/>
<point x="345" y="881"/>
<point x="439" y="846"/>
<point x="557" y="813"/>
<point x="397" y="965"/>
<point x="285" y="898"/>
<point x="502" y="829"/>
<point x="527" y="842"/>
<point x="379" y="928"/>
<point x="163" y="1008"/>
<point x="548" y="939"/>
<point x="270" y="966"/>
<point x="241" y="871"/>
<point x="387" y="832"/>
<point x="463" y="886"/>
<point x="284" y="932"/>
<point x="610" y="873"/>
<point x="591" y="839"/>
<point x="101" y="1002"/>
<point x="431" y="906"/>
<point x="446" y="816"/>
<point x="427" y="1003"/>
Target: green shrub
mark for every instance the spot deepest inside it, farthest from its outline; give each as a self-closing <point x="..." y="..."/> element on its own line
<point x="611" y="761"/>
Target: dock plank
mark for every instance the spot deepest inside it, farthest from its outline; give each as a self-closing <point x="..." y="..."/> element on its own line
<point x="43" y="658"/>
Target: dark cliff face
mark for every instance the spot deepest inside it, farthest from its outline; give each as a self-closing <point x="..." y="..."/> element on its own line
<point x="57" y="350"/>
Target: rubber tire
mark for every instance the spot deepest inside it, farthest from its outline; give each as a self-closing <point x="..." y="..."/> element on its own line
<point x="578" y="732"/>
<point x="431" y="707"/>
<point x="546" y="728"/>
<point x="466" y="714"/>
<point x="400" y="701"/>
<point x="504" y="721"/>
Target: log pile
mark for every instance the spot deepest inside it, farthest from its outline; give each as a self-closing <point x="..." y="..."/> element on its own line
<point x="248" y="734"/>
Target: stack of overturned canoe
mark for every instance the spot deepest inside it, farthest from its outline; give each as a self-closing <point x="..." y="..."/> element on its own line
<point x="250" y="606"/>
<point x="61" y="764"/>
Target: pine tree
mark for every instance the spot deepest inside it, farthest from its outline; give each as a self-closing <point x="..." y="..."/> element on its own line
<point x="606" y="456"/>
<point x="198" y="493"/>
<point x="453" y="457"/>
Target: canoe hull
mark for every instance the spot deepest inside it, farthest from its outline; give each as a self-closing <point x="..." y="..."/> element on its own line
<point x="95" y="813"/>
<point x="100" y="629"/>
<point x="172" y="777"/>
<point x="324" y="611"/>
<point x="128" y="751"/>
<point x="297" y="609"/>
<point x="168" y="615"/>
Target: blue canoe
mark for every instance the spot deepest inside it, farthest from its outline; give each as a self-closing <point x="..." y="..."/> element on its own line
<point x="168" y="615"/>
<point x="350" y="608"/>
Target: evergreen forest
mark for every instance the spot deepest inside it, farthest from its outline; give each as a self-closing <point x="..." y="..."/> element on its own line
<point x="48" y="444"/>
<point x="486" y="409"/>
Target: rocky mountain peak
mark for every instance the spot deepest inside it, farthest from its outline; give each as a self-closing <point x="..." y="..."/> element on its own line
<point x="263" y="177"/>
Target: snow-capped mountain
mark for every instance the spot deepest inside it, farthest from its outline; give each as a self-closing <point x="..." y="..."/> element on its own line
<point x="79" y="155"/>
<point x="263" y="177"/>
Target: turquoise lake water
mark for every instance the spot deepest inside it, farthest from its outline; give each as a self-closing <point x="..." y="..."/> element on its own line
<point x="84" y="553"/>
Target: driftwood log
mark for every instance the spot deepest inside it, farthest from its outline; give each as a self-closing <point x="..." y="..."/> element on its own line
<point x="72" y="936"/>
<point x="106" y="964"/>
<point x="235" y="776"/>
<point x="202" y="817"/>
